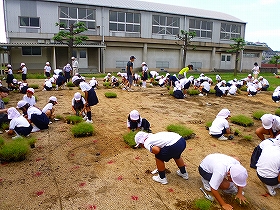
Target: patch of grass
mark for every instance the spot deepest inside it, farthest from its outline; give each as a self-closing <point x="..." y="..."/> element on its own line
<point x="192" y="92"/>
<point x="31" y="141"/>
<point x="277" y="112"/>
<point x="243" y="88"/>
<point x="70" y="84"/>
<point x="247" y="137"/>
<point x="107" y="84"/>
<point x="171" y="92"/>
<point x="242" y="120"/>
<point x="258" y="114"/>
<point x="212" y="91"/>
<point x="208" y="125"/>
<point x="15" y="150"/>
<point x="36" y="98"/>
<point x="31" y="76"/>
<point x="168" y="87"/>
<point x="6" y="100"/>
<point x="59" y="117"/>
<point x="82" y="129"/>
<point x="203" y="204"/>
<point x="73" y="119"/>
<point x="1" y="142"/>
<point x="110" y="95"/>
<point x="236" y="132"/>
<point x="34" y="86"/>
<point x="129" y="138"/>
<point x="181" y="130"/>
<point x="5" y="126"/>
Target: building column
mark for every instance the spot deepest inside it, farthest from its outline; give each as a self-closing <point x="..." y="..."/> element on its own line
<point x="241" y="60"/>
<point x="212" y="60"/>
<point x="145" y="52"/>
<point x="53" y="58"/>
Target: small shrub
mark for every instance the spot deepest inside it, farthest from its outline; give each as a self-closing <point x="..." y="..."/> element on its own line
<point x="203" y="204"/>
<point x="73" y="119"/>
<point x="243" y="88"/>
<point x="258" y="114"/>
<point x="181" y="130"/>
<point x="15" y="150"/>
<point x="59" y="117"/>
<point x="34" y="86"/>
<point x="247" y="138"/>
<point x="192" y="92"/>
<point x="5" y="126"/>
<point x="70" y="84"/>
<point x="82" y="129"/>
<point x="110" y="95"/>
<point x="236" y="132"/>
<point x="242" y="120"/>
<point x="277" y="112"/>
<point x="129" y="138"/>
<point x="31" y="141"/>
<point x="212" y="91"/>
<point x="208" y="125"/>
<point x="6" y="100"/>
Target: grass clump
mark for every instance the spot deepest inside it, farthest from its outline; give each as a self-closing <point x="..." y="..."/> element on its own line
<point x="277" y="112"/>
<point x="208" y="125"/>
<point x="34" y="86"/>
<point x="73" y="119"/>
<point x="155" y="83"/>
<point x="203" y="204"/>
<point x="82" y="129"/>
<point x="59" y="117"/>
<point x="171" y="92"/>
<point x="258" y="114"/>
<point x="107" y="84"/>
<point x="70" y="84"/>
<point x="212" y="91"/>
<point x="181" y="130"/>
<point x="15" y="150"/>
<point x="6" y="100"/>
<point x="242" y="120"/>
<point x="247" y="137"/>
<point x="5" y="126"/>
<point x="192" y="92"/>
<point x="110" y="95"/>
<point x="129" y="138"/>
<point x="243" y="88"/>
<point x="236" y="132"/>
<point x="70" y="88"/>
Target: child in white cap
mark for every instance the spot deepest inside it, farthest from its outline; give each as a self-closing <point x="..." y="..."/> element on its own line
<point x="47" y="85"/>
<point x="29" y="97"/>
<point x="251" y="89"/>
<point x="144" y="74"/>
<point x="79" y="105"/>
<point x="19" y="125"/>
<point x="276" y="95"/>
<point x="47" y="70"/>
<point x="270" y="126"/>
<point x="256" y="70"/>
<point x="23" y="71"/>
<point x="107" y="78"/>
<point x="220" y="125"/>
<point x="219" y="171"/>
<point x="49" y="108"/>
<point x="165" y="146"/>
<point x="264" y="83"/>
<point x="67" y="72"/>
<point x="204" y="88"/>
<point x="10" y="76"/>
<point x="134" y="122"/>
<point x="93" y="83"/>
<point x="177" y="91"/>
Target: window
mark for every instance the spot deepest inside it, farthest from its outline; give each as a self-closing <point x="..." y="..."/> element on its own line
<point x="162" y="64"/>
<point x="251" y="55"/>
<point x="202" y="28"/>
<point x="72" y="15"/>
<point x="124" y="21"/>
<point x="29" y="22"/>
<point x="165" y="25"/>
<point x="229" y="31"/>
<point x="31" y="50"/>
<point x="121" y="64"/>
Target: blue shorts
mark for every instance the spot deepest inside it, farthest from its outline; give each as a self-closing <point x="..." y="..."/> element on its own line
<point x="269" y="181"/>
<point x="173" y="151"/>
<point x="207" y="176"/>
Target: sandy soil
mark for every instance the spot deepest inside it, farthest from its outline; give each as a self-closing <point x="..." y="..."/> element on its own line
<point x="102" y="172"/>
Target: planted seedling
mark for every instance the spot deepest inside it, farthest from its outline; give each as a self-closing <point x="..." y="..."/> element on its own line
<point x="243" y="88"/>
<point x="70" y="84"/>
<point x="203" y="204"/>
<point x="212" y="91"/>
<point x="277" y="112"/>
<point x="73" y="119"/>
<point x="129" y="138"/>
<point x="110" y="95"/>
<point x="181" y="130"/>
<point x="242" y="120"/>
<point x="171" y="92"/>
<point x="208" y="125"/>
<point x="5" y="126"/>
<point x="258" y="114"/>
<point x="6" y="100"/>
<point x="15" y="150"/>
<point x="192" y="92"/>
<point x="236" y="132"/>
<point x="247" y="138"/>
<point x="82" y="129"/>
<point x="107" y="84"/>
<point x="34" y="86"/>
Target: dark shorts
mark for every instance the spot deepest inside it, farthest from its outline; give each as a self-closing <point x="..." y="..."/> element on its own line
<point x="219" y="135"/>
<point x="145" y="76"/>
<point x="47" y="88"/>
<point x="23" y="131"/>
<point x="253" y="93"/>
<point x="92" y="97"/>
<point x="41" y="121"/>
<point x="23" y="77"/>
<point x="269" y="181"/>
<point x="207" y="176"/>
<point x="187" y="85"/>
<point x="275" y="98"/>
<point x="174" y="151"/>
<point x="130" y="79"/>
<point x="205" y="91"/>
<point x="67" y="75"/>
<point x="47" y="74"/>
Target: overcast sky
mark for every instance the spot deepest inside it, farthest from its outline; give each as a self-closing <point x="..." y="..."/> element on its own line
<point x="261" y="16"/>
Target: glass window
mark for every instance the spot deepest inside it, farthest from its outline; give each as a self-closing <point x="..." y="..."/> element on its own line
<point x="223" y="58"/>
<point x="136" y="17"/>
<point x="113" y="27"/>
<point x="228" y="57"/>
<point x="121" y="27"/>
<point x="29" y="21"/>
<point x="73" y="12"/>
<point x="31" y="50"/>
<point x="83" y="54"/>
<point x="229" y="31"/>
<point x="91" y="25"/>
<point x="82" y="14"/>
<point x="113" y="16"/>
<point x="129" y="27"/>
<point x="162" y="64"/>
<point x="90" y="14"/>
<point x="64" y="12"/>
<point x="129" y="17"/>
<point x="122" y="21"/>
<point x="34" y="22"/>
<point x="24" y="21"/>
<point x="165" y="25"/>
<point x="121" y="17"/>
<point x="202" y="28"/>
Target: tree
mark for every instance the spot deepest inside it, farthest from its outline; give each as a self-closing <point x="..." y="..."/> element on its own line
<point x="236" y="48"/>
<point x="185" y="37"/>
<point x="71" y="36"/>
<point x="275" y="60"/>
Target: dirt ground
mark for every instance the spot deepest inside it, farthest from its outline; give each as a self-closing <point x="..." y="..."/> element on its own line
<point x="102" y="172"/>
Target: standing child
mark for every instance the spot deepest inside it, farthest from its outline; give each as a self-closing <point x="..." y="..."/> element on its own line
<point x="49" y="108"/>
<point x="79" y="105"/>
<point x="67" y="72"/>
<point x="10" y="76"/>
<point x="220" y="125"/>
<point x="134" y="122"/>
<point x="23" y="71"/>
<point x="256" y="70"/>
<point x="47" y="70"/>
<point x="29" y="97"/>
<point x="144" y="74"/>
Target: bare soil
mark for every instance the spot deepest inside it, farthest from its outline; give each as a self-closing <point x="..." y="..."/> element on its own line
<point x="102" y="172"/>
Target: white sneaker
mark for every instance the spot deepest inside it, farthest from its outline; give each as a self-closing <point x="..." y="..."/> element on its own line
<point x="50" y="122"/>
<point x="271" y="190"/>
<point x="85" y="118"/>
<point x="250" y="95"/>
<point x="200" y="94"/>
<point x="206" y="184"/>
<point x="16" y="137"/>
<point x="89" y="121"/>
<point x="231" y="190"/>
<point x="35" y="129"/>
<point x="277" y="101"/>
<point x="160" y="180"/>
<point x="222" y="138"/>
<point x="184" y="176"/>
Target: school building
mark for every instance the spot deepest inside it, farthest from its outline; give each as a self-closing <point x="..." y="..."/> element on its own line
<point x="118" y="29"/>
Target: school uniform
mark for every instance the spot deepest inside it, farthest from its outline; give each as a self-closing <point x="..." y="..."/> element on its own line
<point x="145" y="72"/>
<point x="78" y="104"/>
<point x="153" y="74"/>
<point x="93" y="83"/>
<point x="31" y="101"/>
<point x="3" y="116"/>
<point x="67" y="72"/>
<point x="92" y="97"/>
<point x="23" y="87"/>
<point x="177" y="91"/>
<point x="251" y="89"/>
<point x="220" y="124"/>
<point x="276" y="94"/>
<point x="20" y="125"/>
<point x="47" y="71"/>
<point x="49" y="106"/>
<point x="141" y="123"/>
<point x="60" y="80"/>
<point x="24" y="73"/>
<point x="232" y="90"/>
<point x="219" y="90"/>
<point x="264" y="83"/>
<point x="205" y="87"/>
<point x="38" y="118"/>
<point x="48" y="85"/>
<point x="10" y="76"/>
<point x="185" y="83"/>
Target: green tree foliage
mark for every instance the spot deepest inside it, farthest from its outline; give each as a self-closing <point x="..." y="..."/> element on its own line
<point x="275" y="60"/>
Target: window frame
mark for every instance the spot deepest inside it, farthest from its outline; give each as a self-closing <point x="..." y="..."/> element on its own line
<point x="227" y="32"/>
<point x="31" y="50"/>
<point x="198" y="27"/>
<point x="29" y="22"/>
<point x="164" y="25"/>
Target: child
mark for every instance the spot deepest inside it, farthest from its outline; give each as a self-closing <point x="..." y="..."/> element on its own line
<point x="23" y="86"/>
<point x="232" y="89"/>
<point x="270" y="126"/>
<point x="4" y="92"/>
<point x="204" y="88"/>
<point x="144" y="74"/>
<point x="90" y="96"/>
<point x="276" y="95"/>
<point x="34" y="115"/>
<point x="218" y="78"/>
<point x="251" y="90"/>
<point x="93" y="83"/>
<point x="219" y="171"/>
<point x="264" y="83"/>
<point x="107" y="78"/>
<point x="79" y="105"/>
<point x="219" y="88"/>
<point x="47" y="70"/>
<point x="49" y="108"/>
<point x="10" y="76"/>
<point x="177" y="91"/>
<point x="60" y="81"/>
<point x="256" y="70"/>
<point x="134" y="122"/>
<point x="47" y="85"/>
<point x="115" y="81"/>
<point x="67" y="72"/>
<point x="23" y="71"/>
<point x="29" y="97"/>
<point x="220" y="125"/>
<point x="165" y="146"/>
<point x="18" y="124"/>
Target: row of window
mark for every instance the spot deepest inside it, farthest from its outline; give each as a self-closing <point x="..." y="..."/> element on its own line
<point x="131" y="22"/>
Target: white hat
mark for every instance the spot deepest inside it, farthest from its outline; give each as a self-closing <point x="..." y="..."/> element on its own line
<point x="267" y="120"/>
<point x="68" y="65"/>
<point x="9" y="66"/>
<point x="249" y="75"/>
<point x="224" y="81"/>
<point x="73" y="58"/>
<point x="13" y="113"/>
<point x="21" y="104"/>
<point x="47" y="63"/>
<point x="77" y="96"/>
<point x="144" y="63"/>
<point x="109" y="74"/>
<point x="53" y="98"/>
<point x="255" y="81"/>
<point x="93" y="78"/>
<point x="14" y="80"/>
<point x="30" y="90"/>
<point x="134" y="115"/>
<point x="261" y="77"/>
<point x="238" y="175"/>
<point x="235" y="80"/>
<point x="167" y="74"/>
<point x="22" y="64"/>
<point x="224" y="113"/>
<point x="140" y="137"/>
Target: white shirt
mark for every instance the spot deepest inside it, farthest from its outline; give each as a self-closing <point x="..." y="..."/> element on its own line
<point x="183" y="81"/>
<point x="48" y="83"/>
<point x="19" y="122"/>
<point x="205" y="85"/>
<point x="232" y="89"/>
<point x="24" y="70"/>
<point x="49" y="106"/>
<point x="256" y="70"/>
<point x="31" y="100"/>
<point x="85" y="86"/>
<point x="218" y="125"/>
<point x="47" y="69"/>
<point x="145" y="68"/>
<point x="33" y="110"/>
<point x="154" y="74"/>
<point x="276" y="91"/>
<point x="218" y="165"/>
<point x="75" y="64"/>
<point x="161" y="139"/>
<point x="82" y="98"/>
<point x="251" y="88"/>
<point x="161" y="81"/>
<point x="276" y="123"/>
<point x="264" y="82"/>
<point x="123" y="75"/>
<point x="92" y="82"/>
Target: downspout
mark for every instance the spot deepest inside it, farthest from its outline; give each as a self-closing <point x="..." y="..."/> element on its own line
<point x="5" y="19"/>
<point x="102" y="59"/>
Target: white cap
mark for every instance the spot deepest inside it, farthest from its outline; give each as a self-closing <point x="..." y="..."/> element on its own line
<point x="68" y="65"/>
<point x="77" y="96"/>
<point x="223" y="81"/>
<point x="261" y="77"/>
<point x="12" y="113"/>
<point x="109" y="74"/>
<point x="73" y="58"/>
<point x="140" y="137"/>
<point x="30" y="90"/>
<point x="53" y="98"/>
<point x="267" y="120"/>
<point x="14" y="80"/>
<point x="9" y="66"/>
<point x="144" y="63"/>
<point x="21" y="104"/>
<point x="22" y="64"/>
<point x="238" y="175"/>
<point x="249" y="75"/>
<point x="93" y="78"/>
<point x="47" y="63"/>
<point x="224" y="113"/>
<point x="134" y="115"/>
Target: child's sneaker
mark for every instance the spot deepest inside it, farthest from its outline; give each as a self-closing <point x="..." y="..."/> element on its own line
<point x="206" y="184"/>
<point x="271" y="190"/>
<point x="160" y="180"/>
<point x="200" y="94"/>
<point x="222" y="138"/>
<point x="35" y="129"/>
<point x="89" y="121"/>
<point x="184" y="176"/>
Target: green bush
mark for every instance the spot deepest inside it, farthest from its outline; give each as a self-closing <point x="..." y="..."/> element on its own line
<point x="242" y="120"/>
<point x="5" y="126"/>
<point x="243" y="88"/>
<point x="277" y="112"/>
<point x="203" y="204"/>
<point x="15" y="150"/>
<point x="192" y="92"/>
<point x="208" y="125"/>
<point x="129" y="138"/>
<point x="6" y="100"/>
<point x="181" y="130"/>
<point x="82" y="129"/>
<point x="110" y="95"/>
<point x="258" y="114"/>
<point x="34" y="86"/>
<point x="247" y="138"/>
<point x="73" y="119"/>
<point x="70" y="84"/>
